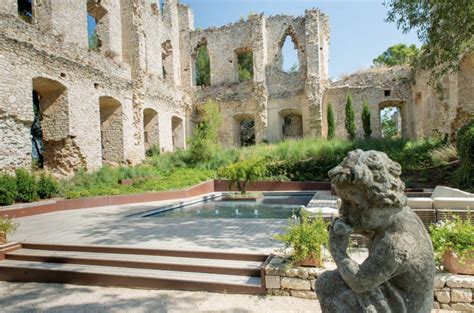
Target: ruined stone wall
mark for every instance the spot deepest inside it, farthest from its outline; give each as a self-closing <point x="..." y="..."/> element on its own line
<point x="380" y="87"/>
<point x="445" y="111"/>
<point x="273" y="93"/>
<point x="146" y="61"/>
<point x="52" y="51"/>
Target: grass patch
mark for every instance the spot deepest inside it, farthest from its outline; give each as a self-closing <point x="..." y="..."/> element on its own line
<point x="304" y="160"/>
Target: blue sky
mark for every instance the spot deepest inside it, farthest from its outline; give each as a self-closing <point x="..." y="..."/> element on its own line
<point x="358" y="30"/>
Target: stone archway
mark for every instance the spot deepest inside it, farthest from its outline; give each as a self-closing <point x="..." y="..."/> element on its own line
<point x="111" y="130"/>
<point x="50" y="130"/>
<point x="291" y="124"/>
<point x="244" y="130"/>
<point x="177" y="129"/>
<point x="151" y="132"/>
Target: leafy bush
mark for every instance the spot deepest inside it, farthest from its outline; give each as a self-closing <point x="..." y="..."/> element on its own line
<point x="331" y="124"/>
<point x="8" y="190"/>
<point x="7" y="225"/>
<point x="306" y="237"/>
<point x="365" y="116"/>
<point x="243" y="172"/>
<point x="465" y="149"/>
<point x="456" y="235"/>
<point x="153" y="150"/>
<point x="350" y="119"/>
<point x="27" y="188"/>
<point x="47" y="186"/>
<point x="204" y="142"/>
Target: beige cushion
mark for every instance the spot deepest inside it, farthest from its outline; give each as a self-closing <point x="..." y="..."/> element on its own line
<point x="443" y="191"/>
<point x="324" y="211"/>
<point x="460" y="203"/>
<point x="420" y="203"/>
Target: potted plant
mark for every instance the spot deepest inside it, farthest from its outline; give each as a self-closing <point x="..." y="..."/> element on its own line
<point x="7" y="226"/>
<point x="453" y="243"/>
<point x="241" y="174"/>
<point x="306" y="238"/>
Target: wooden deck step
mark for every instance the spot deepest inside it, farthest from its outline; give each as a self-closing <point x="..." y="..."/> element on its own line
<point x="214" y="266"/>
<point x="30" y="271"/>
<point x="215" y="271"/>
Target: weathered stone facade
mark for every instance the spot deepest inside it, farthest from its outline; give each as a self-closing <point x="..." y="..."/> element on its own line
<point x="138" y="90"/>
<point x="425" y="111"/>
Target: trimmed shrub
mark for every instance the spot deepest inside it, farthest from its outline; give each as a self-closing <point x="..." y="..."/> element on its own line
<point x="7" y="189"/>
<point x="365" y="116"/>
<point x="26" y="186"/>
<point x="244" y="172"/>
<point x="350" y="119"/>
<point x="47" y="186"/>
<point x="331" y="124"/>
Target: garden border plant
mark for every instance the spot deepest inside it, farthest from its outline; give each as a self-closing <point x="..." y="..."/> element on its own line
<point x="454" y="238"/>
<point x="7" y="227"/>
<point x="306" y="238"/>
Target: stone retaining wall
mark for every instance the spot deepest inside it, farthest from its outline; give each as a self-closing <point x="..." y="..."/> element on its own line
<point x="451" y="292"/>
<point x="454" y="292"/>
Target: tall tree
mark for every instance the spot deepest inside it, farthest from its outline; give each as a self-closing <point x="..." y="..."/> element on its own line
<point x="397" y="55"/>
<point x="445" y="27"/>
<point x="350" y="119"/>
<point x="365" y="116"/>
<point x="330" y="118"/>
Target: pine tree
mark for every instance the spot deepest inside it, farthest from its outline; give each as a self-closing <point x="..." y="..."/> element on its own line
<point x="365" y="116"/>
<point x="330" y="118"/>
<point x="350" y="119"/>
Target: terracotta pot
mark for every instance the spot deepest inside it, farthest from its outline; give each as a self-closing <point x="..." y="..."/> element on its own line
<point x="459" y="265"/>
<point x="310" y="261"/>
<point x="3" y="238"/>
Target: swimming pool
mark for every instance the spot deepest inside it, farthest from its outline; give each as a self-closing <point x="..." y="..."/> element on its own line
<point x="272" y="206"/>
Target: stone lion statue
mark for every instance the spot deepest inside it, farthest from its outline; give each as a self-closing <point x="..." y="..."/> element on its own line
<point x="399" y="272"/>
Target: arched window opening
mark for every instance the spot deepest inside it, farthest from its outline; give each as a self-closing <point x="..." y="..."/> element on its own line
<point x="25" y="10"/>
<point x="151" y="133"/>
<point x="244" y="63"/>
<point x="289" y="59"/>
<point x="177" y="128"/>
<point x="95" y="29"/>
<point x="202" y="64"/>
<point x="167" y="60"/>
<point x="111" y="130"/>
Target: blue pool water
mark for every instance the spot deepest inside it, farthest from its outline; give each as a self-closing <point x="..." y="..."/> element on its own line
<point x="274" y="206"/>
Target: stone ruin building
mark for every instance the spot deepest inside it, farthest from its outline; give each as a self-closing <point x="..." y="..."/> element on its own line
<point x="89" y="108"/>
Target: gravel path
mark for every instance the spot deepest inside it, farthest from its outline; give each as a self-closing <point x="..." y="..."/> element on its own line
<point x="33" y="297"/>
